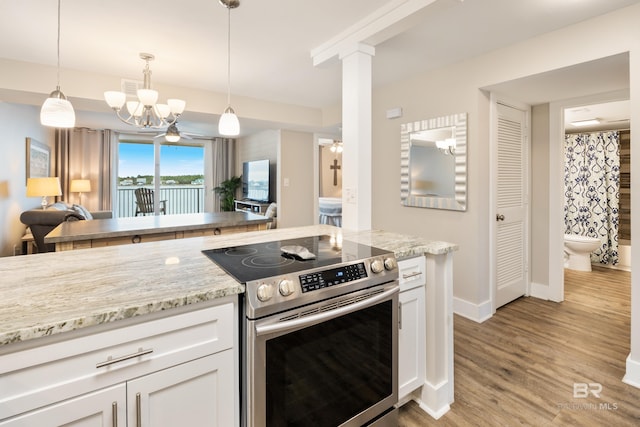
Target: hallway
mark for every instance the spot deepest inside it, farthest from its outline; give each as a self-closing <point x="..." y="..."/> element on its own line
<point x="521" y="366"/>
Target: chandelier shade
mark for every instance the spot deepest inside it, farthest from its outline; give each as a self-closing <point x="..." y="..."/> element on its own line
<point x="145" y="111"/>
<point x="229" y="125"/>
<point x="57" y="111"/>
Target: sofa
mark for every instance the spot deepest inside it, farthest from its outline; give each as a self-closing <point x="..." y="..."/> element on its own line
<point x="41" y="221"/>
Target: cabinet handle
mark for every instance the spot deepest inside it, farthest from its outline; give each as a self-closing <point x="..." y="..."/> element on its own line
<point x="110" y="360"/>
<point x="400" y="316"/>
<point x="138" y="410"/>
<point x="410" y="275"/>
<point x="114" y="414"/>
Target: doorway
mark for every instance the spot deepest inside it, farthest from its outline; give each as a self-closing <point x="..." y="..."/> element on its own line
<point x="607" y="123"/>
<point x="330" y="181"/>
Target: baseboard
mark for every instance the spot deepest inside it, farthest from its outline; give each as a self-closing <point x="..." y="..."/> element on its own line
<point x="435" y="400"/>
<point x="476" y="312"/>
<point x="538" y="290"/>
<point x="632" y="376"/>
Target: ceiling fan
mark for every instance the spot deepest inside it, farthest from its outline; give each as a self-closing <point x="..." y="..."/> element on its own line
<point x="173" y="134"/>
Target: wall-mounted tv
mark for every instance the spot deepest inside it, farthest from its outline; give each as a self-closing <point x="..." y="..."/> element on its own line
<point x="255" y="180"/>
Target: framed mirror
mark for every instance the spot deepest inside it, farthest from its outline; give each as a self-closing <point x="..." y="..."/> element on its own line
<point x="433" y="163"/>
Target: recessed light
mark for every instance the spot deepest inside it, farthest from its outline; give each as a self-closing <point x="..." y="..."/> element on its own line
<point x="585" y="122"/>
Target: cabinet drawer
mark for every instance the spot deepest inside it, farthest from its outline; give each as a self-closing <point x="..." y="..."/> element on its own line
<point x="43" y="375"/>
<point x="412" y="272"/>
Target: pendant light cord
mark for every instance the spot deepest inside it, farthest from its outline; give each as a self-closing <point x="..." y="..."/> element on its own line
<point x="228" y="55"/>
<point x="58" y="52"/>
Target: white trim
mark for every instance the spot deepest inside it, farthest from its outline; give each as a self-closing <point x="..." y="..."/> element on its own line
<point x="632" y="376"/>
<point x="556" y="173"/>
<point x="476" y="312"/>
<point x="434" y="399"/>
<point x="539" y="290"/>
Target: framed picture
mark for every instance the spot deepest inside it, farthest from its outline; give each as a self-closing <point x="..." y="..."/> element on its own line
<point x="38" y="159"/>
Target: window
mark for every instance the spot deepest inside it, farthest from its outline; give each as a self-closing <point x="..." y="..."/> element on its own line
<point x="174" y="171"/>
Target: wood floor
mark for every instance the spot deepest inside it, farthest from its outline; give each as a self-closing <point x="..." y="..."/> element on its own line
<point x="519" y="367"/>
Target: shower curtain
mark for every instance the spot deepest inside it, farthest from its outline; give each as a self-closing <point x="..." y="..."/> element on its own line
<point x="592" y="190"/>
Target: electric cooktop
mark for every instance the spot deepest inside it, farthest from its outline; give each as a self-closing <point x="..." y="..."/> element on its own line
<point x="261" y="260"/>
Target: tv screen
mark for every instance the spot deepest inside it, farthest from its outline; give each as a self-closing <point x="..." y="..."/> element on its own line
<point x="255" y="180"/>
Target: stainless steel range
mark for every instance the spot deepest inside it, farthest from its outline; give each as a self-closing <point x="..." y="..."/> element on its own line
<point x="319" y="332"/>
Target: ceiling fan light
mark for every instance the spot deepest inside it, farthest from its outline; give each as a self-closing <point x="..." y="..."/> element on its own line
<point x="177" y="106"/>
<point x="173" y="134"/>
<point x="229" y="124"/>
<point x="115" y="99"/>
<point x="57" y="111"/>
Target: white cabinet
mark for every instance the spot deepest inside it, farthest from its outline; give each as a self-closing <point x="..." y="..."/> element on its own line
<point x="175" y="370"/>
<point x="411" y="336"/>
<point x="196" y="393"/>
<point x="97" y="409"/>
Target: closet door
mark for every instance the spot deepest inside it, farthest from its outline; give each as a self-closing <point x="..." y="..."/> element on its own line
<point x="511" y="197"/>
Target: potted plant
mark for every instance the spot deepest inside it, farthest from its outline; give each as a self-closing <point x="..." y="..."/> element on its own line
<point x="227" y="191"/>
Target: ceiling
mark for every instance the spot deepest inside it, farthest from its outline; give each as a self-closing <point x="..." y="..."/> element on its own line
<point x="271" y="41"/>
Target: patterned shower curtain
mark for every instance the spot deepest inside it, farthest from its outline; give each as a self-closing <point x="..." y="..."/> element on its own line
<point x="592" y="190"/>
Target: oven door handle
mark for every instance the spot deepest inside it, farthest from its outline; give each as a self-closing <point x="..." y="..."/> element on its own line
<point x="315" y="318"/>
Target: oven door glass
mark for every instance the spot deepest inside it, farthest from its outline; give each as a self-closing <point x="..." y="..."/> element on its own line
<point x="328" y="373"/>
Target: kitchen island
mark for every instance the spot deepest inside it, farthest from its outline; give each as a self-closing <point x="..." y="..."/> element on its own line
<point x="70" y="235"/>
<point x="55" y="298"/>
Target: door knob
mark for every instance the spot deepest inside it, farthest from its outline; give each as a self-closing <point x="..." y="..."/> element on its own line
<point x="499" y="217"/>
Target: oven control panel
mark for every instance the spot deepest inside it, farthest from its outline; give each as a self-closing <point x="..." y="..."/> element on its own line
<point x="332" y="277"/>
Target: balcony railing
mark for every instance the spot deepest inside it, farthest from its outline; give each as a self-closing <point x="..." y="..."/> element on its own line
<point x="180" y="199"/>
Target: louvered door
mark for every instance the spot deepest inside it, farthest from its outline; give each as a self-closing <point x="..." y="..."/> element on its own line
<point x="511" y="239"/>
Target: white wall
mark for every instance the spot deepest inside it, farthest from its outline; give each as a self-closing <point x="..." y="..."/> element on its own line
<point x="327" y="189"/>
<point x="540" y="201"/>
<point x="457" y="89"/>
<point x="24" y="122"/>
<point x="296" y="200"/>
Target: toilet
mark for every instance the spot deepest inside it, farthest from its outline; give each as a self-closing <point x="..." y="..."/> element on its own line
<point x="577" y="251"/>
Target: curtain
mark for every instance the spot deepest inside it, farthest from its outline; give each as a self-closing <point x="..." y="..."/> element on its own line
<point x="592" y="190"/>
<point x="223" y="164"/>
<point x="86" y="154"/>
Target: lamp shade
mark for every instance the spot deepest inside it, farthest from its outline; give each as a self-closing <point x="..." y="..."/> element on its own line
<point x="57" y="111"/>
<point x="80" y="186"/>
<point x="38" y="187"/>
<point x="229" y="124"/>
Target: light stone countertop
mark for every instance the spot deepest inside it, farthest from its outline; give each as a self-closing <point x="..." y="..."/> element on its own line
<point x="70" y="231"/>
<point x="46" y="294"/>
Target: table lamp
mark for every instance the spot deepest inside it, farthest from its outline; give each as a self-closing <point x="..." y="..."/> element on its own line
<point x="43" y="187"/>
<point x="80" y="186"/>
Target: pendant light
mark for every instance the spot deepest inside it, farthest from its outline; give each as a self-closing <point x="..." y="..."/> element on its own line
<point x="229" y="124"/>
<point x="57" y="111"/>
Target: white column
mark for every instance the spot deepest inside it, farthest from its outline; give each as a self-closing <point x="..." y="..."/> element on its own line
<point x="356" y="136"/>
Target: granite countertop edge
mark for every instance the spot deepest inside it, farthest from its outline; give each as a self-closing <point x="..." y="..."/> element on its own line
<point x="39" y="309"/>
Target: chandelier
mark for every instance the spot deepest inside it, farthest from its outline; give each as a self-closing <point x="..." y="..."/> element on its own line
<point x="336" y="147"/>
<point x="145" y="112"/>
